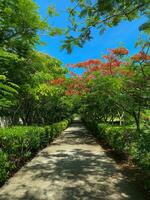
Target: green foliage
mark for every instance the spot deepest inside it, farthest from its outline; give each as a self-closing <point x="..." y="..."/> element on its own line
<point x="8" y="92"/>
<point x="5" y="56"/>
<point x="117" y="106"/>
<point x="52" y="11"/>
<point x="100" y="14"/>
<point x="118" y="137"/>
<point x="37" y="96"/>
<point x="4" y="166"/>
<point x="19" y="24"/>
<point x="120" y="95"/>
<point x="140" y="149"/>
<point x="145" y="27"/>
<point x="20" y="143"/>
<point x="24" y="140"/>
<point x="125" y="139"/>
<point x="102" y="101"/>
<point x="32" y="71"/>
<point x="53" y="31"/>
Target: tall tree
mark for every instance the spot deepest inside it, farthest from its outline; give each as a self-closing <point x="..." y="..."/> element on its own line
<point x="19" y="23"/>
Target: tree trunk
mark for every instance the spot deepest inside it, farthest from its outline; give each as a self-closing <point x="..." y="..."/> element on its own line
<point x="121" y="118"/>
<point x="137" y="119"/>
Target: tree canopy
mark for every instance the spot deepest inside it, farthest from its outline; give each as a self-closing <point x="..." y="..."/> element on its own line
<point x="85" y="15"/>
<point x="25" y="74"/>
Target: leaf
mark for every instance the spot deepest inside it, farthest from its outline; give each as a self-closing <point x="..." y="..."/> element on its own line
<point x="145" y="27"/>
<point x="83" y="13"/>
<point x="52" y="11"/>
<point x="54" y="31"/>
<point x="102" y="30"/>
<point x="116" y="20"/>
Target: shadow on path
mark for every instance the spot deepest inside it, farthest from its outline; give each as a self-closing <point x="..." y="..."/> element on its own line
<point x="74" y="167"/>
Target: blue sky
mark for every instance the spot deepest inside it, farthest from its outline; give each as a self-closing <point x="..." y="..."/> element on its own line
<point x="126" y="33"/>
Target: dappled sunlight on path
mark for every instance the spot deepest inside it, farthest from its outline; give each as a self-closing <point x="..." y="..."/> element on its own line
<point x="73" y="167"/>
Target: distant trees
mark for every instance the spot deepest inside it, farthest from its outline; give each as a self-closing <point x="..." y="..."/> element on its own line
<point x="34" y="86"/>
<point x="116" y="87"/>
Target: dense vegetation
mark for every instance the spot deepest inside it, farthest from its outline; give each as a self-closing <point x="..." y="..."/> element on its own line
<point x="86" y="15"/>
<point x="26" y="93"/>
<point x="20" y="143"/>
<point x="112" y="95"/>
<point x="114" y="98"/>
<point x="34" y="108"/>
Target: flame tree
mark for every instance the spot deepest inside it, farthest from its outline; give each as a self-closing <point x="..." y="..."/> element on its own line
<point x="117" y="86"/>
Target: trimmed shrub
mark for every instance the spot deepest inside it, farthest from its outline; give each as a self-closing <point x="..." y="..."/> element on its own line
<point x="4" y="166"/>
<point x="126" y="139"/>
<point x="18" y="143"/>
<point x="119" y="138"/>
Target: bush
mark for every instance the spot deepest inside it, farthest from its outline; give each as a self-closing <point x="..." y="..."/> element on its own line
<point x="4" y="166"/>
<point x="140" y="149"/>
<point x="118" y="137"/>
<point x="126" y="139"/>
<point x="18" y="143"/>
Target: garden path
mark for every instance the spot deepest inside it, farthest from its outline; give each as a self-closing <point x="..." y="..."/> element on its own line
<point x="73" y="167"/>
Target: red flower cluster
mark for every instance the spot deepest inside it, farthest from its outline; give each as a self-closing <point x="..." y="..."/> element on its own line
<point x="120" y="51"/>
<point x="95" y="68"/>
<point x="125" y="72"/>
<point x="85" y="64"/>
<point x="73" y="74"/>
<point x="141" y="56"/>
<point x="90" y="77"/>
<point x="72" y="92"/>
<point x="58" y="81"/>
<point x="78" y="85"/>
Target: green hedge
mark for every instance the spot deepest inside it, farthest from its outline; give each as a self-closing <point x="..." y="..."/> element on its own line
<point x="17" y="144"/>
<point x="126" y="139"/>
<point x="116" y="136"/>
<point x="4" y="166"/>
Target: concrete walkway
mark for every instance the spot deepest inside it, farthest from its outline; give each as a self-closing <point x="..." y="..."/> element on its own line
<point x="73" y="167"/>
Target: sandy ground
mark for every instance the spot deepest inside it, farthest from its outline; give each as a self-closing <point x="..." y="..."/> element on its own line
<point x="73" y="167"/>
